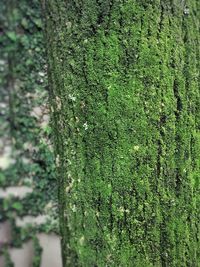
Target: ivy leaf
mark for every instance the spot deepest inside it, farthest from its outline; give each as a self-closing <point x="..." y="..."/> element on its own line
<point x="38" y="23"/>
<point x="12" y="36"/>
<point x="17" y="206"/>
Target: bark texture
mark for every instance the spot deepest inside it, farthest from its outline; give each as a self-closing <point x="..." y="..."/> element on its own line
<point x="124" y="88"/>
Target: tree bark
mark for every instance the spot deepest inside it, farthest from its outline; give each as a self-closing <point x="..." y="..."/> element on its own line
<point x="124" y="89"/>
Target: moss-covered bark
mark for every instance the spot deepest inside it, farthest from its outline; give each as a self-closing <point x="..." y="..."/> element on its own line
<point x="124" y="79"/>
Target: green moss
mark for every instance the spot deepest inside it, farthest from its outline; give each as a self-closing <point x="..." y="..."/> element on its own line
<point x="124" y="96"/>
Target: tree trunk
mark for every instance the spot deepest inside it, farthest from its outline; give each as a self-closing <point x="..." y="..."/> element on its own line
<point x="123" y="79"/>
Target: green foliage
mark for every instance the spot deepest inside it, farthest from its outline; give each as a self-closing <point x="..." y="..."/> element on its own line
<point x="38" y="252"/>
<point x="23" y="85"/>
<point x="17" y="206"/>
<point x="8" y="262"/>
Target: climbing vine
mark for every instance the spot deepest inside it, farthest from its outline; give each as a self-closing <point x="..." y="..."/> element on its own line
<point x="25" y="130"/>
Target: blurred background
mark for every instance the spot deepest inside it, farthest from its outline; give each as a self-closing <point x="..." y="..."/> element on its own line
<point x="29" y="229"/>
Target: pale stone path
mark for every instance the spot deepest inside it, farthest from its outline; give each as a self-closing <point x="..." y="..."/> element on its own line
<point x="23" y="257"/>
<point x="51" y="255"/>
<point x="51" y="252"/>
<point x="15" y="191"/>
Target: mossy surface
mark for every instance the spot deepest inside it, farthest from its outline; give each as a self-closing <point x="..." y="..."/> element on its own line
<point x="124" y="80"/>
